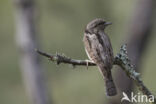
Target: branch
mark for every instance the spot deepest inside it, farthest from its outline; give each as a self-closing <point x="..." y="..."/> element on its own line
<point x="139" y="33"/>
<point x="121" y="59"/>
<point x="64" y="59"/>
<point x="124" y="62"/>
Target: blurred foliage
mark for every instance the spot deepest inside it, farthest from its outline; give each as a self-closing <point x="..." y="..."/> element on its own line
<point x="60" y="26"/>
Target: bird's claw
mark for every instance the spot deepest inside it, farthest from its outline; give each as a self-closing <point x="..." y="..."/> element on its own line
<point x="87" y="63"/>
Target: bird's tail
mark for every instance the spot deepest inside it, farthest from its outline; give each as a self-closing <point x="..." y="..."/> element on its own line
<point x="110" y="86"/>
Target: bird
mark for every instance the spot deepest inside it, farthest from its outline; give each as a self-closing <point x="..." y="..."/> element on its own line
<point x="99" y="50"/>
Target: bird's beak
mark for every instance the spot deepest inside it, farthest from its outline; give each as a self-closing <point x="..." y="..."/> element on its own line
<point x="108" y="23"/>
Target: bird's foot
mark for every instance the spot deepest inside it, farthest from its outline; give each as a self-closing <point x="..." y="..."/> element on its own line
<point x="87" y="61"/>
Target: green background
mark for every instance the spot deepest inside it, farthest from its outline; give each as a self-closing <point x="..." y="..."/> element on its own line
<point x="60" y="26"/>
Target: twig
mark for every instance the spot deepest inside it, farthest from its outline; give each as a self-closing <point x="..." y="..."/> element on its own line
<point x="64" y="59"/>
<point x="121" y="59"/>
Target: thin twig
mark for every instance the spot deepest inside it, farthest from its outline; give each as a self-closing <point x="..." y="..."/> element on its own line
<point x="121" y="59"/>
<point x="64" y="59"/>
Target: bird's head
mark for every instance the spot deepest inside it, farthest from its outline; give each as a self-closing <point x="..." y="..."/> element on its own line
<point x="97" y="25"/>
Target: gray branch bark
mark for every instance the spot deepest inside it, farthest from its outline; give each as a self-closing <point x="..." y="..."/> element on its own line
<point x="29" y="61"/>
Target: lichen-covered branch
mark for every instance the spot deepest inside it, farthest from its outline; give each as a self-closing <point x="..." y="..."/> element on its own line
<point x="121" y="59"/>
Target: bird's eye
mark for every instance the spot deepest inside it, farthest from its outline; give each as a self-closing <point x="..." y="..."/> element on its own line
<point x="87" y="32"/>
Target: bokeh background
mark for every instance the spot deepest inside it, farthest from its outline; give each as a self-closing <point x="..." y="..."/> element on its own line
<point x="60" y="27"/>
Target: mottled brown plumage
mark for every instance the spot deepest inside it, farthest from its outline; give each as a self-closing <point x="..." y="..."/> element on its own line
<point x="99" y="49"/>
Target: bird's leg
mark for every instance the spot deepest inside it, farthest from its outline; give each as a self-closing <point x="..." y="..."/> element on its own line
<point x="87" y="61"/>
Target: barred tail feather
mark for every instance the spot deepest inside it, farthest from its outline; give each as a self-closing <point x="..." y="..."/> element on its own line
<point x="110" y="86"/>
